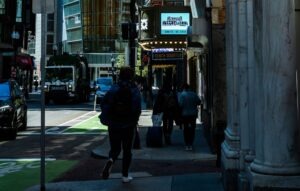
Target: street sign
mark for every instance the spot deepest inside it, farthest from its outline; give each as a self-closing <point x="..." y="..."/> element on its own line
<point x="37" y="6"/>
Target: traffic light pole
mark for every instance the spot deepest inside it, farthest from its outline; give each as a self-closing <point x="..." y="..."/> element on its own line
<point x="132" y="27"/>
<point x="43" y="63"/>
<point x="44" y="8"/>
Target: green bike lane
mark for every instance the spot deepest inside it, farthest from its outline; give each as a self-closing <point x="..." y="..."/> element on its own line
<point x="19" y="174"/>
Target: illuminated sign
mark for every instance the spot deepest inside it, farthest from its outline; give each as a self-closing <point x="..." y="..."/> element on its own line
<point x="144" y="24"/>
<point x="174" y="23"/>
<point x="167" y="55"/>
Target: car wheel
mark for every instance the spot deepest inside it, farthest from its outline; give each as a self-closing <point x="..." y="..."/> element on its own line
<point x="12" y="132"/>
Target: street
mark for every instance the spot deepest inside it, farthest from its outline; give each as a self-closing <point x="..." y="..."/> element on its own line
<point x="59" y="146"/>
<point x="72" y="151"/>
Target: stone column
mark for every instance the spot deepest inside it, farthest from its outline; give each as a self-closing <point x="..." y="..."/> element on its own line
<point x="246" y="80"/>
<point x="277" y="160"/>
<point x="243" y="83"/>
<point x="230" y="147"/>
<point x="246" y="90"/>
<point x="251" y="82"/>
<point x="297" y="24"/>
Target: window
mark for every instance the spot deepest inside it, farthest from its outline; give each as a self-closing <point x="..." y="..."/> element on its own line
<point x="2" y="6"/>
<point x="19" y="11"/>
<point x="50" y="23"/>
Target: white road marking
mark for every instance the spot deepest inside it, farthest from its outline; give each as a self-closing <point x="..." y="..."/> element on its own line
<point x="25" y="159"/>
<point x="55" y="130"/>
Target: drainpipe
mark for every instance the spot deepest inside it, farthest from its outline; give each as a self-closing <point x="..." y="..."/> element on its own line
<point x="210" y="62"/>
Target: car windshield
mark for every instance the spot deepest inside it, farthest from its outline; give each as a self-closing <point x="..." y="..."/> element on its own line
<point x="61" y="74"/>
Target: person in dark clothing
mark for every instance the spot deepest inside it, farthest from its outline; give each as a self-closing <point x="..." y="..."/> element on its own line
<point x="167" y="103"/>
<point x="189" y="102"/>
<point x="121" y="129"/>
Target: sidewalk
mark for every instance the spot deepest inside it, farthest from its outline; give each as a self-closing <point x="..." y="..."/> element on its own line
<point x="144" y="181"/>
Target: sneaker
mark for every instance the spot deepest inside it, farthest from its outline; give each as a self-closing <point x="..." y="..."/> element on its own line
<point x="107" y="169"/>
<point x="126" y="179"/>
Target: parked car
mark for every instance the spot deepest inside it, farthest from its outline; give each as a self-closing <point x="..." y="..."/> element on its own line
<point x="103" y="84"/>
<point x="13" y="109"/>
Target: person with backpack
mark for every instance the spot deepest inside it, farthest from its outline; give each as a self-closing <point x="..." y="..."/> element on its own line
<point x="122" y="105"/>
<point x="189" y="102"/>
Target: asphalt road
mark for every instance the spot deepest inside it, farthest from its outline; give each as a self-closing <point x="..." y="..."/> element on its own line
<point x="59" y="146"/>
<point x="78" y="147"/>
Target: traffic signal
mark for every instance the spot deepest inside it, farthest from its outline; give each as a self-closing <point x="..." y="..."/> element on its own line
<point x="129" y="31"/>
<point x="125" y="31"/>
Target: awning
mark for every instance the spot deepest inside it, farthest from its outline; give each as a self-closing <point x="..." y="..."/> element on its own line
<point x="25" y="62"/>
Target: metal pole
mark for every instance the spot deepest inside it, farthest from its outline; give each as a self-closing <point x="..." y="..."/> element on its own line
<point x="113" y="69"/>
<point x="132" y="28"/>
<point x="43" y="59"/>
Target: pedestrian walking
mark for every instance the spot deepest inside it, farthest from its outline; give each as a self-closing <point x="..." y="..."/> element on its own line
<point x="189" y="102"/>
<point x="36" y="84"/>
<point x="167" y="103"/>
<point x="122" y="105"/>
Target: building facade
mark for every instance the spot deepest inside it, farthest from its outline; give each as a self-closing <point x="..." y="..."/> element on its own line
<point x="163" y="38"/>
<point x="93" y="28"/>
<point x="16" y="23"/>
<point x="261" y="147"/>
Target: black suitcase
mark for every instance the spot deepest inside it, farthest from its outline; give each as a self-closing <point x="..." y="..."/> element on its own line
<point x="154" y="137"/>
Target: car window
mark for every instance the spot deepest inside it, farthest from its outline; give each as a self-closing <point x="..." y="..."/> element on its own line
<point x="4" y="91"/>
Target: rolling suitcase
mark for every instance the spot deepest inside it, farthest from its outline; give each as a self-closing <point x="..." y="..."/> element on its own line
<point x="154" y="137"/>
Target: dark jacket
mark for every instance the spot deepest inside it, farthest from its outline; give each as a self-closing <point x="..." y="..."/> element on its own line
<point x="188" y="101"/>
<point x="166" y="103"/>
<point x="135" y="112"/>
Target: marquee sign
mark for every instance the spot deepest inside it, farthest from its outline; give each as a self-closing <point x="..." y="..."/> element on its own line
<point x="174" y="23"/>
<point x="175" y="55"/>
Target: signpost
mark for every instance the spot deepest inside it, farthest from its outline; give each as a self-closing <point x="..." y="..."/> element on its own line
<point x="43" y="7"/>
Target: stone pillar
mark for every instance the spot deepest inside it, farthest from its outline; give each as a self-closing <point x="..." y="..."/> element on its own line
<point x="246" y="90"/>
<point x="277" y="159"/>
<point x="243" y="83"/>
<point x="231" y="144"/>
<point x="297" y="24"/>
<point x="251" y="82"/>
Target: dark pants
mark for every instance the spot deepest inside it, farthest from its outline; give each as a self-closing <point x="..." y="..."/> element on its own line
<point x="168" y="128"/>
<point x="189" y="126"/>
<point x="121" y="138"/>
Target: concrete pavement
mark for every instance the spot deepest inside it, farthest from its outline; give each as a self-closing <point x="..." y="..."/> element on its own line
<point x="144" y="181"/>
<point x="188" y="182"/>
